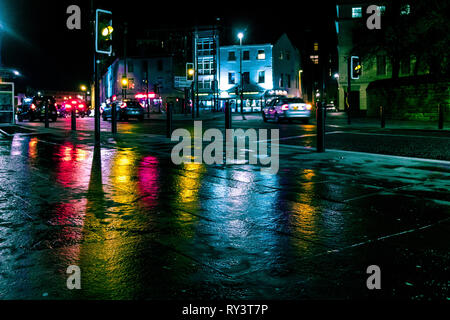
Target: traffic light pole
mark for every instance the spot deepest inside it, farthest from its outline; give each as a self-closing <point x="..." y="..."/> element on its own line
<point x="97" y="103"/>
<point x="349" y="88"/>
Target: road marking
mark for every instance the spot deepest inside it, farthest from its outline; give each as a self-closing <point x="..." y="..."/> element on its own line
<point x="395" y="135"/>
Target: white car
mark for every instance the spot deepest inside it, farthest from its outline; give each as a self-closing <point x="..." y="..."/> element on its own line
<point x="287" y="108"/>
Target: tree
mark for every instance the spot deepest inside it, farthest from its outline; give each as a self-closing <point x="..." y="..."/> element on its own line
<point x="408" y="28"/>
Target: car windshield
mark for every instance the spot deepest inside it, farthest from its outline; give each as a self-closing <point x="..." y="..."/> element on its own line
<point x="133" y="104"/>
<point x="292" y="100"/>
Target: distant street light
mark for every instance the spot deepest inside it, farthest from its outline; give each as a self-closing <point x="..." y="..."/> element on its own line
<point x="240" y="36"/>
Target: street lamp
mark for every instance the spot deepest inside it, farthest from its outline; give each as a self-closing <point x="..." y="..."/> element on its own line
<point x="240" y="36"/>
<point x="84" y="89"/>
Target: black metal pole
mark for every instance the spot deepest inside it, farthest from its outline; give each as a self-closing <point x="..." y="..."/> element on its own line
<point x="349" y="88"/>
<point x="169" y="120"/>
<point x="383" y="117"/>
<point x="113" y="118"/>
<point x="320" y="144"/>
<point x="441" y="116"/>
<point x="228" y="118"/>
<point x="97" y="103"/>
<point x="73" y="119"/>
<point x="46" y="115"/>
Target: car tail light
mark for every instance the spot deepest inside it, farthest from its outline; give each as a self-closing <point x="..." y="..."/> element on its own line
<point x="68" y="106"/>
<point x="33" y="107"/>
<point x="80" y="106"/>
<point x="123" y="105"/>
<point x="308" y="107"/>
<point x="74" y="102"/>
<point x="285" y="107"/>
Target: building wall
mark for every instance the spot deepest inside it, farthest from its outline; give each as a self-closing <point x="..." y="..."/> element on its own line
<point x="286" y="65"/>
<point x="253" y="66"/>
<point x="160" y="77"/>
<point x="414" y="98"/>
<point x="344" y="28"/>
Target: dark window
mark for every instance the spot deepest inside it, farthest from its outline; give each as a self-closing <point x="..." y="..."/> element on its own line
<point x="246" y="77"/>
<point x="288" y="80"/>
<point x="405" y="66"/>
<point x="281" y="81"/>
<point x="160" y="65"/>
<point x="130" y="66"/>
<point x="261" y="76"/>
<point x="381" y="65"/>
<point x="246" y="55"/>
<point x="231" y="56"/>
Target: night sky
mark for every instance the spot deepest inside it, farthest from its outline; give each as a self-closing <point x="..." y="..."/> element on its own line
<point x="50" y="56"/>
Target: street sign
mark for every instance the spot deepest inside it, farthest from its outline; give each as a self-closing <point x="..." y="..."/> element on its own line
<point x="7" y="102"/>
<point x="181" y="82"/>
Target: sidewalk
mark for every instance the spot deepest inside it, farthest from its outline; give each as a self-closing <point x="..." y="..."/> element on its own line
<point x="140" y="227"/>
<point x="339" y="120"/>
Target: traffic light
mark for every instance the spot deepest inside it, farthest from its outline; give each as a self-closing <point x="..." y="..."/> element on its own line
<point x="103" y="31"/>
<point x="124" y="83"/>
<point x="190" y="71"/>
<point x="355" y="67"/>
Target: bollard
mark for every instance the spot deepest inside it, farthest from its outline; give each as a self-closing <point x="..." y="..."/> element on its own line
<point x="46" y="115"/>
<point x="228" y="116"/>
<point x="169" y="120"/>
<point x="114" y="118"/>
<point x="383" y="117"/>
<point x="441" y="116"/>
<point x="73" y="117"/>
<point x="320" y="127"/>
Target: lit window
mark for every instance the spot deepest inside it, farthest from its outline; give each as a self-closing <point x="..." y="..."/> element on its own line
<point x="406" y="9"/>
<point x="231" y="78"/>
<point x="316" y="46"/>
<point x="357" y="12"/>
<point x="314" y="59"/>
<point x="261" y="55"/>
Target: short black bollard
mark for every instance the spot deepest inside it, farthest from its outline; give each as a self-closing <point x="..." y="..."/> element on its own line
<point x="73" y="118"/>
<point x="46" y="116"/>
<point x="320" y="113"/>
<point x="169" y="120"/>
<point x="383" y="117"/>
<point x="228" y="117"/>
<point x="114" y="118"/>
<point x="441" y="116"/>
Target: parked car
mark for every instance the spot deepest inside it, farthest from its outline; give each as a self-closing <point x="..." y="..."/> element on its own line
<point x="26" y="111"/>
<point x="125" y="109"/>
<point x="287" y="108"/>
<point x="41" y="103"/>
<point x="36" y="110"/>
<point x="78" y="105"/>
<point x="330" y="107"/>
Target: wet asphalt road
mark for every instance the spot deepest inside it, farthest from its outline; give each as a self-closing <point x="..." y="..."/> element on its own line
<point x="428" y="144"/>
<point x="140" y="227"/>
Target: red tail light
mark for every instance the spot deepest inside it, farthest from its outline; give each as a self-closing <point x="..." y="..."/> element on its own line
<point x="123" y="105"/>
<point x="33" y="107"/>
<point x="81" y="106"/>
<point x="68" y="106"/>
<point x="285" y="107"/>
<point x="74" y="102"/>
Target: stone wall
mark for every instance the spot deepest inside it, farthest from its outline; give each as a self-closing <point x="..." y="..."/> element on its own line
<point x="409" y="98"/>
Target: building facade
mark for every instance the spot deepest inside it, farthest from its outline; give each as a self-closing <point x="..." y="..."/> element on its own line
<point x="349" y="15"/>
<point x="267" y="70"/>
<point x="147" y="77"/>
<point x="206" y="57"/>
